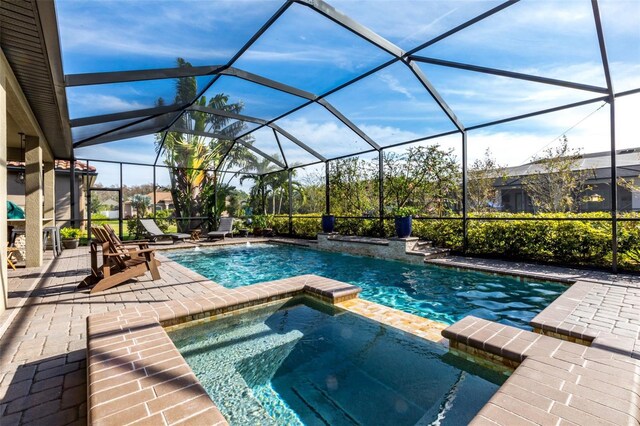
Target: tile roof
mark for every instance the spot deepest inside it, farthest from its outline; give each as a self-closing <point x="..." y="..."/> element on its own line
<point x="162" y="196"/>
<point x="625" y="158"/>
<point x="60" y="165"/>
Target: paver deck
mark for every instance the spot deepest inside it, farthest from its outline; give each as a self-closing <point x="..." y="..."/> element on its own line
<point x="599" y="309"/>
<point x="43" y="334"/>
<point x="555" y="382"/>
<point x="42" y="349"/>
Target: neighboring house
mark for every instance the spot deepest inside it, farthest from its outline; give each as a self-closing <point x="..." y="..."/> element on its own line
<point x="513" y="198"/>
<point x="84" y="177"/>
<point x="164" y="200"/>
<point x="110" y="206"/>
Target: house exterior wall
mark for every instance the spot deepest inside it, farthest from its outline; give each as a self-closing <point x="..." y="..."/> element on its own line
<point x="4" y="281"/>
<point x="15" y="193"/>
<point x="516" y="200"/>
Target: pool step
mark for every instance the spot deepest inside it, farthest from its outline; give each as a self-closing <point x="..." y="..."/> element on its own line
<point x="422" y="244"/>
<point x="426" y="249"/>
<point x="436" y="253"/>
<point x="322" y="405"/>
<point x="335" y="404"/>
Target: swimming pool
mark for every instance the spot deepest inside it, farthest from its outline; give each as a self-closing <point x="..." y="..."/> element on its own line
<point x="313" y="364"/>
<point x="440" y="294"/>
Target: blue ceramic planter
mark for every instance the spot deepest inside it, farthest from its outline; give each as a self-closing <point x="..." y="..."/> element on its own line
<point x="328" y="224"/>
<point x="403" y="226"/>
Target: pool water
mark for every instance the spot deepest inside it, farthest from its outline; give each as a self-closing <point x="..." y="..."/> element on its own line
<point x="306" y="363"/>
<point x="440" y="294"/>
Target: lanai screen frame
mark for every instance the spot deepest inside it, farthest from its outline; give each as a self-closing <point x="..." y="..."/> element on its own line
<point x="408" y="58"/>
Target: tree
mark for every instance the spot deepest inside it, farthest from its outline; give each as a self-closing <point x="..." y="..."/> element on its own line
<point x="130" y="190"/>
<point x="482" y="176"/>
<point x="192" y="159"/>
<point x="261" y="184"/>
<point x="557" y="184"/>
<point x="314" y="191"/>
<point x="353" y="184"/>
<point x="141" y="203"/>
<point x="271" y="189"/>
<point x="425" y="177"/>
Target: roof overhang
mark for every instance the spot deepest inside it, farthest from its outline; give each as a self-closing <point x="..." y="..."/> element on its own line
<point x="29" y="40"/>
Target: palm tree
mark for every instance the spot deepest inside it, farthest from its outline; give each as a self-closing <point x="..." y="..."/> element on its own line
<point x="191" y="159"/>
<point x="271" y="183"/>
<point x="261" y="184"/>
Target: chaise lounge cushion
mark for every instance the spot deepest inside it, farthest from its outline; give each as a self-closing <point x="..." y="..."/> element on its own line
<point x="225" y="228"/>
<point x="155" y="232"/>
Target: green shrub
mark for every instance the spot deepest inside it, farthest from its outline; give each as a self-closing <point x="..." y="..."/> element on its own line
<point x="582" y="242"/>
<point x="68" y="233"/>
<point x="134" y="229"/>
<point x="279" y="224"/>
<point x="368" y="227"/>
<point x="98" y="219"/>
<point x="164" y="219"/>
<point x="570" y="242"/>
<point x="629" y="245"/>
<point x="405" y="211"/>
<point x="260" y="221"/>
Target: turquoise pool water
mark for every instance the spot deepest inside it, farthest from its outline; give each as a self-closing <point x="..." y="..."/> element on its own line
<point x="440" y="294"/>
<point x="310" y="364"/>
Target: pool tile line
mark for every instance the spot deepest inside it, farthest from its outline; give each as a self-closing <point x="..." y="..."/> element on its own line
<point x="554" y="381"/>
<point x="134" y="371"/>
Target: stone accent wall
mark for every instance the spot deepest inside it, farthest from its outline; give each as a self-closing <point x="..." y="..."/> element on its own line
<point x="393" y="248"/>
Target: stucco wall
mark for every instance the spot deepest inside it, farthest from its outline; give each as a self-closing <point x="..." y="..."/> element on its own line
<point x="15" y="193"/>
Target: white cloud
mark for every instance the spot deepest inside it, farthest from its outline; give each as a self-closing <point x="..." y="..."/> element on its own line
<point x="327" y="138"/>
<point x="518" y="142"/>
<point x="90" y="103"/>
<point x="386" y="135"/>
<point x="394" y="85"/>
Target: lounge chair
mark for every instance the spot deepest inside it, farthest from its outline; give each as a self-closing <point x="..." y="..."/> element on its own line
<point x="154" y="232"/>
<point x="117" y="267"/>
<point x="225" y="228"/>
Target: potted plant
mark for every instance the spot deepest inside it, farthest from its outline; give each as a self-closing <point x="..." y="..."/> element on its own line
<point x="328" y="223"/>
<point x="70" y="237"/>
<point x="403" y="222"/>
<point x="259" y="225"/>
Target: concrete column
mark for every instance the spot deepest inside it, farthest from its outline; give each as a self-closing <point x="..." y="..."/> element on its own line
<point x="49" y="192"/>
<point x="33" y="201"/>
<point x="4" y="286"/>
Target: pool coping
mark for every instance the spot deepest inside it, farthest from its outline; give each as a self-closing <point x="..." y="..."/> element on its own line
<point x="540" y="276"/>
<point x="136" y="375"/>
<point x="554" y="381"/>
<point x="554" y="320"/>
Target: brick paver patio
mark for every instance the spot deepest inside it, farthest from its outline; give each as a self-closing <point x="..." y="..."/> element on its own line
<point x="43" y="334"/>
<point x="42" y="350"/>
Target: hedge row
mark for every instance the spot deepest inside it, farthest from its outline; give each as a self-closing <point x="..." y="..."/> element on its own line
<point x="568" y="242"/>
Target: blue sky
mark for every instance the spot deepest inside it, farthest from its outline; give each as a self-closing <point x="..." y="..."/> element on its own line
<point x="548" y="38"/>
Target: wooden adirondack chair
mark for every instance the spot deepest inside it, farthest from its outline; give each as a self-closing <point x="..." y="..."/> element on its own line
<point x="118" y="264"/>
<point x="141" y="244"/>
